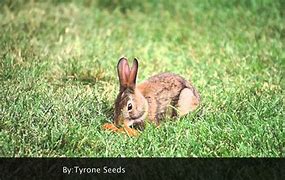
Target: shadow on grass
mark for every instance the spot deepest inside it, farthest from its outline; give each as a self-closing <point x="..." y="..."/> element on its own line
<point x="85" y="80"/>
<point x="122" y="6"/>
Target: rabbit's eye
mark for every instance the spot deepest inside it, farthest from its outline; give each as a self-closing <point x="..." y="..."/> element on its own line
<point x="130" y="106"/>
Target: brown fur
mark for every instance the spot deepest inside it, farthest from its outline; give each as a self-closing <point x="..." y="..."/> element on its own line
<point x="153" y="98"/>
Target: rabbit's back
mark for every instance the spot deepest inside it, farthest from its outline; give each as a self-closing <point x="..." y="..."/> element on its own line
<point x="162" y="91"/>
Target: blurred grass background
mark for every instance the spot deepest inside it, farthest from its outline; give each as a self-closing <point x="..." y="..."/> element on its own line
<point x="58" y="75"/>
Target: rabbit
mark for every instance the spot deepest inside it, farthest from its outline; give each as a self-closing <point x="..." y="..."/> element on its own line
<point x="152" y="99"/>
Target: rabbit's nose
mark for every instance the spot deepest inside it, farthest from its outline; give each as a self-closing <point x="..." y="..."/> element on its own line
<point x="118" y="121"/>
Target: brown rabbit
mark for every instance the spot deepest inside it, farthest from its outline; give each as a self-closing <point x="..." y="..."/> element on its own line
<point x="152" y="99"/>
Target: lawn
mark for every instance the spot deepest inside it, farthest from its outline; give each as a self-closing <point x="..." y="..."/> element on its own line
<point x="58" y="78"/>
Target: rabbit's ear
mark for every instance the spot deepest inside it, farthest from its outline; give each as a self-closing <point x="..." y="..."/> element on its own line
<point x="133" y="74"/>
<point x="123" y="72"/>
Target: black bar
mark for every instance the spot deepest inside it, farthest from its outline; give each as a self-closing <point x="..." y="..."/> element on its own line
<point x="142" y="168"/>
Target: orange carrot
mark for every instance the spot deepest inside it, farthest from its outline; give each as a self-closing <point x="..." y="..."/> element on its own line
<point x="129" y="131"/>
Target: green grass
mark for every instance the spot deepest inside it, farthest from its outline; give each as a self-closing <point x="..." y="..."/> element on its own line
<point x="58" y="78"/>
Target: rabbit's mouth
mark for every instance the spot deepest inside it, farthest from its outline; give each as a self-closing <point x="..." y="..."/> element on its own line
<point x="133" y="120"/>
